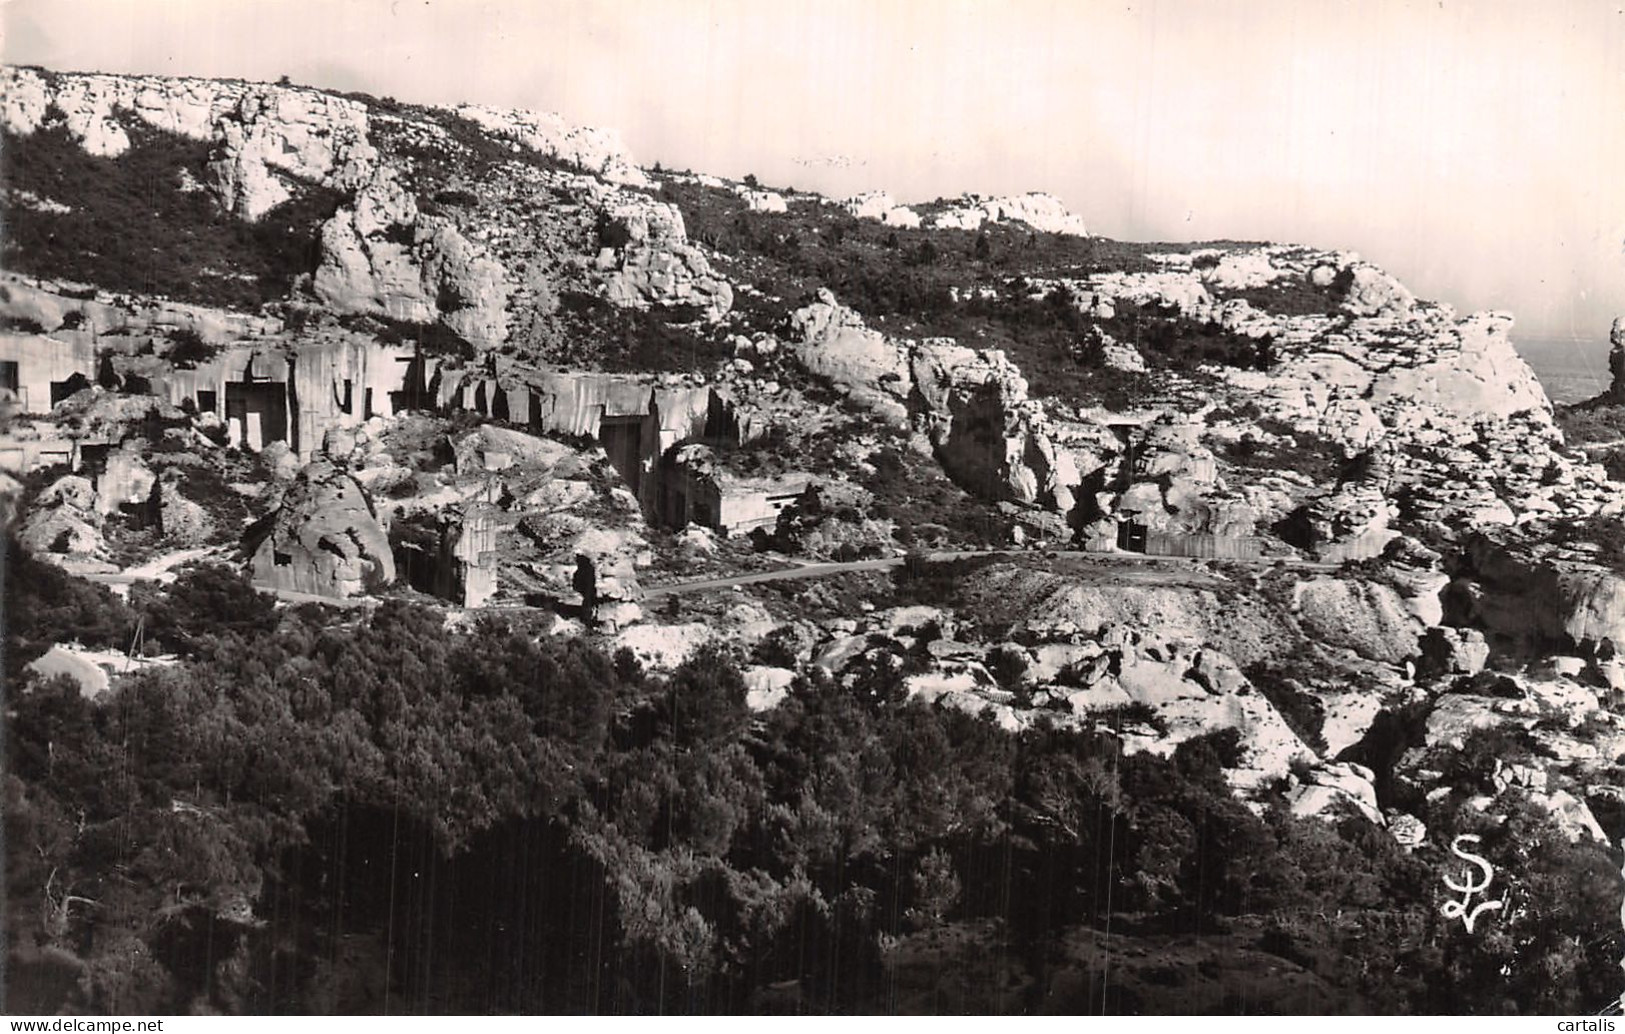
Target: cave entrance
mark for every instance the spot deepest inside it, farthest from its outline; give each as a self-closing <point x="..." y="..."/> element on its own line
<point x="622" y="439"/>
<point x="260" y="410"/>
<point x="63" y="389"/>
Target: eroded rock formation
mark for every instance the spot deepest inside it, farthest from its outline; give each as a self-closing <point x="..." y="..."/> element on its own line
<point x="323" y="538"/>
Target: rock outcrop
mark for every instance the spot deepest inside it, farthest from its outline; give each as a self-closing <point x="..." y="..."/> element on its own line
<point x="1365" y="617"/>
<point x="265" y="136"/>
<point x="833" y="342"/>
<point x="323" y="538"/>
<point x="598" y="151"/>
<point x="1042" y="212"/>
<point x="879" y="205"/>
<point x="654" y="265"/>
<point x="66" y="519"/>
<point x="1531" y="600"/>
<point x="380" y="256"/>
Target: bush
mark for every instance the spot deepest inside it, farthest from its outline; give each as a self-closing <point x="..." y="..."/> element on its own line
<point x="44" y="605"/>
<point x="190" y="349"/>
<point x="434" y="339"/>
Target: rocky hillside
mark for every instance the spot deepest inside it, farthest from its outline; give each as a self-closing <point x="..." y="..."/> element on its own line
<point x="1235" y="557"/>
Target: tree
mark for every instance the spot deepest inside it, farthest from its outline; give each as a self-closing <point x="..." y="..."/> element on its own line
<point x="705" y="698"/>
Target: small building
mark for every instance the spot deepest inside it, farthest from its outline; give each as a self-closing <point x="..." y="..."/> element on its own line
<point x="1135" y="537"/>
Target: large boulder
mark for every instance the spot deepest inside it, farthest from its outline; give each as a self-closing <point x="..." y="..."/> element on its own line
<point x="832" y="341"/>
<point x="1368" y="291"/>
<point x="1514" y="592"/>
<point x="125" y="480"/>
<point x="988" y="435"/>
<point x="1615" y="395"/>
<point x="65" y="520"/>
<point x="180" y="520"/>
<point x="651" y="264"/>
<point x="880" y="206"/>
<point x="1453" y="651"/>
<point x="1350" y="523"/>
<point x="323" y="538"/>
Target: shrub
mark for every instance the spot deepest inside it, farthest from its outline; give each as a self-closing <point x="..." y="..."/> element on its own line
<point x="190" y="349"/>
<point x="45" y="605"/>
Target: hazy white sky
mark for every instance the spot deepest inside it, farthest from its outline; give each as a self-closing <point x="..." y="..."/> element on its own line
<point x="1477" y="150"/>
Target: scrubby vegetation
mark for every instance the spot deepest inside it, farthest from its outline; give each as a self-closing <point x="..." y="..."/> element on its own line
<point x="597" y="335"/>
<point x="1587" y="425"/>
<point x="1287" y="296"/>
<point x="1317" y="458"/>
<point x="927" y="508"/>
<point x="906" y="282"/>
<point x="1303" y="712"/>
<point x="432" y="339"/>
<point x="1601" y="426"/>
<point x="135" y="226"/>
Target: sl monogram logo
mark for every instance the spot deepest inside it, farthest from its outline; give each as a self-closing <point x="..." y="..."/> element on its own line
<point x="1467" y="888"/>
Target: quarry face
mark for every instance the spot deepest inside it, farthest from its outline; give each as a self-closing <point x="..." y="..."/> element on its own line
<point x="961" y="460"/>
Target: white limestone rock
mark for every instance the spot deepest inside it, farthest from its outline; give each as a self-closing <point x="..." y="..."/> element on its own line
<point x="1371" y="292"/>
<point x="1362" y="616"/>
<point x="1242" y="270"/>
<point x="832" y="341"/>
<point x="597" y="151"/>
<point x="1043" y="212"/>
<point x="663" y="647"/>
<point x="878" y="205"/>
<point x="766" y="687"/>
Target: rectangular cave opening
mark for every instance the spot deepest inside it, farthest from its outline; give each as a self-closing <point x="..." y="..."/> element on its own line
<point x="260" y="409"/>
<point x="62" y="389"/>
<point x="622" y="439"/>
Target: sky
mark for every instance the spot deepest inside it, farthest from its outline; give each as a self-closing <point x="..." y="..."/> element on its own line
<point x="1476" y="150"/>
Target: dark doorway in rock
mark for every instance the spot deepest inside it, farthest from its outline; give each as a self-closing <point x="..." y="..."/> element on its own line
<point x="622" y="438"/>
<point x="261" y="412"/>
<point x="62" y="389"/>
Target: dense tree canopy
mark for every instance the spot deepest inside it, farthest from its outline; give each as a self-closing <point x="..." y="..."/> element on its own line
<point x="314" y="813"/>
